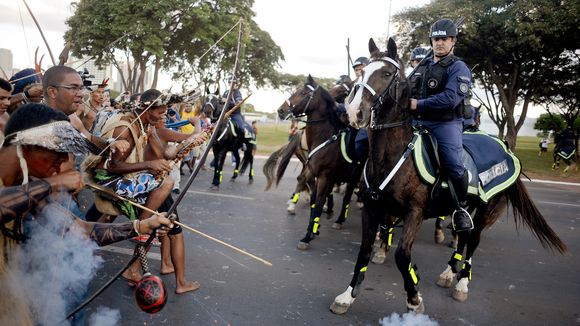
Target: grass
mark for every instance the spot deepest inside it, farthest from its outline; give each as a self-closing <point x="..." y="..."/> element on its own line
<point x="272" y="137"/>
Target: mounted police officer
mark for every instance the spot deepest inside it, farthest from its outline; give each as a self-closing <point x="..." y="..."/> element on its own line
<point x="358" y="66"/>
<point x="418" y="54"/>
<point x="439" y="107"/>
<point x="237" y="116"/>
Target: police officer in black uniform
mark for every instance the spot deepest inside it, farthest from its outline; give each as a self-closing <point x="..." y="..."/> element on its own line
<point x="439" y="107"/>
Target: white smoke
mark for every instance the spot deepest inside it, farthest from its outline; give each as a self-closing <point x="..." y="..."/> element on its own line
<point x="56" y="265"/>
<point x="105" y="317"/>
<point x="408" y="319"/>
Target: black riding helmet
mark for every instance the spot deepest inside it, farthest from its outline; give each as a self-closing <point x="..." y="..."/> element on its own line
<point x="419" y="53"/>
<point x="443" y="28"/>
<point x="360" y="61"/>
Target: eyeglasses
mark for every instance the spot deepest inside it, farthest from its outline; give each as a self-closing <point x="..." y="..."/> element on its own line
<point x="74" y="88"/>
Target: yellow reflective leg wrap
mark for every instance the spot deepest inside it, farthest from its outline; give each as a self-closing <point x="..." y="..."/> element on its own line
<point x="221" y="176"/>
<point x="458" y="256"/>
<point x="346" y="211"/>
<point x="364" y="269"/>
<point x="295" y="197"/>
<point x="413" y="275"/>
<point x="316" y="223"/>
<point x="236" y="171"/>
<point x="251" y="172"/>
<point x="470" y="268"/>
<point x="390" y="240"/>
<point x="442" y="218"/>
<point x="313" y="205"/>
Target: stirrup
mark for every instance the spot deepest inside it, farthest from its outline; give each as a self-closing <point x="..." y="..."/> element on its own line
<point x="462" y="211"/>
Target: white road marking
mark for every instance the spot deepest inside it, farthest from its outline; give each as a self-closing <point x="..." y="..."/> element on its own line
<point x="556" y="203"/>
<point x="219" y="195"/>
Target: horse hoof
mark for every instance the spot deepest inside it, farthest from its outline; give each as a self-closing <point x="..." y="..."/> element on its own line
<point x="439" y="236"/>
<point x="251" y="181"/>
<point x="339" y="308"/>
<point x="214" y="188"/>
<point x="416" y="305"/>
<point x="291" y="211"/>
<point x="360" y="204"/>
<point x="459" y="295"/>
<point x="337" y="226"/>
<point x="379" y="258"/>
<point x="303" y="245"/>
<point x="446" y="278"/>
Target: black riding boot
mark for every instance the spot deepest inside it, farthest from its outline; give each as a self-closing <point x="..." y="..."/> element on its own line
<point x="461" y="219"/>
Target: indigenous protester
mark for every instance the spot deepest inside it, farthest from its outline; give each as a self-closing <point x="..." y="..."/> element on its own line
<point x="293" y="128"/>
<point x="439" y="106"/>
<point x="128" y="174"/>
<point x="186" y="112"/>
<point x="27" y="88"/>
<point x="5" y="94"/>
<point x="89" y="110"/>
<point x="38" y="140"/>
<point x="160" y="146"/>
<point x="63" y="91"/>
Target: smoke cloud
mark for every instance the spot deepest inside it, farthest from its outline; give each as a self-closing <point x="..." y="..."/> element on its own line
<point x="408" y="319"/>
<point x="55" y="266"/>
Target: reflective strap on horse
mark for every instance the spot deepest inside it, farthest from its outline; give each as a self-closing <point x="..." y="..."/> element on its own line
<point x="345" y="87"/>
<point x="321" y="146"/>
<point x="406" y="154"/>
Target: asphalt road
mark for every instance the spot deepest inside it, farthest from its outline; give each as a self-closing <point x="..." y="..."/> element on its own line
<point x="515" y="281"/>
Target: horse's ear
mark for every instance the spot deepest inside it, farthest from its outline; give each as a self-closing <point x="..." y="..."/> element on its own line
<point x="207" y="90"/>
<point x="373" y="49"/>
<point x="392" y="48"/>
<point x="217" y="91"/>
<point x="310" y="80"/>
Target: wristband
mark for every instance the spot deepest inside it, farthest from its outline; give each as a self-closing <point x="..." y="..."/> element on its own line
<point x="26" y="96"/>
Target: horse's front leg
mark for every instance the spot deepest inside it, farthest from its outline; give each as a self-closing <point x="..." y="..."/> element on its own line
<point x="300" y="186"/>
<point x="370" y="224"/>
<point x="412" y="224"/>
<point x="322" y="187"/>
<point x="219" y="157"/>
<point x="250" y="154"/>
<point x="236" y="156"/>
<point x="345" y="206"/>
<point x="383" y="242"/>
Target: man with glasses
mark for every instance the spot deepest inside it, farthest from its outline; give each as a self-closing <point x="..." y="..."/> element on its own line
<point x="441" y="100"/>
<point x="64" y="91"/>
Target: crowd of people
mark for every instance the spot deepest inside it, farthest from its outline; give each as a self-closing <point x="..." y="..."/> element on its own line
<point x="55" y="139"/>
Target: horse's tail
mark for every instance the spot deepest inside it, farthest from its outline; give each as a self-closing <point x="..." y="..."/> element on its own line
<point x="246" y="159"/>
<point x="276" y="164"/>
<point x="525" y="210"/>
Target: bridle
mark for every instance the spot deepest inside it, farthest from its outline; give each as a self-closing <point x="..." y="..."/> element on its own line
<point x="293" y="107"/>
<point x="387" y="94"/>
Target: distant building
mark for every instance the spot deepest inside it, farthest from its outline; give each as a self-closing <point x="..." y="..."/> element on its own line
<point x="6" y="62"/>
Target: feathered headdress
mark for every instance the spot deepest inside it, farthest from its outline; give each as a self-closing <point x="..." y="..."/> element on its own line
<point x="58" y="136"/>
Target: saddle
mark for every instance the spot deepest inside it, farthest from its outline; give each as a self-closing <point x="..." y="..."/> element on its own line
<point x="490" y="165"/>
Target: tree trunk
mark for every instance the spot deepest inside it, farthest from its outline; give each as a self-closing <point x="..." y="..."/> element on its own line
<point x="156" y="72"/>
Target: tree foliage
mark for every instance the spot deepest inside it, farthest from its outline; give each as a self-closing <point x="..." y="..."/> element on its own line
<point x="174" y="35"/>
<point x="550" y="122"/>
<point x="511" y="46"/>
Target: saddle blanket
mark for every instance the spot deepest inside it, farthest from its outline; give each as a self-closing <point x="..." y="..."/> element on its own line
<point x="485" y="156"/>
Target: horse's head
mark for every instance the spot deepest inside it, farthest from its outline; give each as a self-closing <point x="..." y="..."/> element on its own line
<point x="381" y="89"/>
<point x="303" y="101"/>
<point x="341" y="89"/>
<point x="212" y="106"/>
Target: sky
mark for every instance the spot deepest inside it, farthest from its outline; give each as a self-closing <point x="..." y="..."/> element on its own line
<point x="311" y="33"/>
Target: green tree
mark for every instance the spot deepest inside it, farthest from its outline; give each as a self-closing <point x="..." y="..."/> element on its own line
<point x="510" y="45"/>
<point x="550" y="122"/>
<point x="173" y="35"/>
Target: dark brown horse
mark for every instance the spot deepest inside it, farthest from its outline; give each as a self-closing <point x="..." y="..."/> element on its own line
<point x="381" y="104"/>
<point x="298" y="146"/>
<point x="325" y="159"/>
